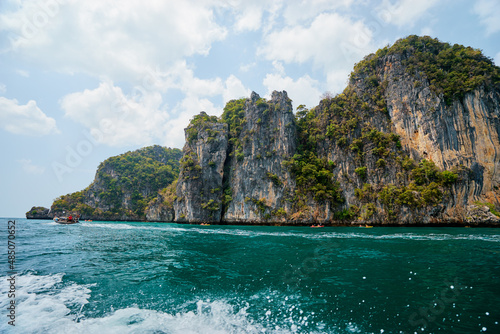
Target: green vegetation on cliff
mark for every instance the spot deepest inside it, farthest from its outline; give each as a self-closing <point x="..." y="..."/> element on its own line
<point x="346" y="144"/>
<point x="234" y="117"/>
<point x="124" y="184"/>
<point x="452" y="70"/>
<point x="313" y="175"/>
<point x="201" y="121"/>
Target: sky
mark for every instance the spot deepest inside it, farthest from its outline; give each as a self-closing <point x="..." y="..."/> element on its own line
<point x="81" y="81"/>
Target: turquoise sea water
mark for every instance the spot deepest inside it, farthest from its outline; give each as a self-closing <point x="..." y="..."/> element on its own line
<point x="112" y="277"/>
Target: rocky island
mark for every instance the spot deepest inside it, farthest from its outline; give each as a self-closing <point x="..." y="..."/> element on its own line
<point x="412" y="140"/>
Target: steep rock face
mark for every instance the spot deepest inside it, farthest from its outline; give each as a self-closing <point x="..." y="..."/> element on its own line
<point x="199" y="188"/>
<point x="232" y="170"/>
<point x="464" y="133"/>
<point x="260" y="185"/>
<point x="160" y="209"/>
<point x="353" y="165"/>
<point x="462" y="136"/>
<point x="123" y="187"/>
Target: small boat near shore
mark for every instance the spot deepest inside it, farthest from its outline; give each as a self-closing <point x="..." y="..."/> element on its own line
<point x="316" y="226"/>
<point x="66" y="220"/>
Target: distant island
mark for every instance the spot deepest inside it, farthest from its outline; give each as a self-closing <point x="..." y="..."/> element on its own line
<point x="412" y="140"/>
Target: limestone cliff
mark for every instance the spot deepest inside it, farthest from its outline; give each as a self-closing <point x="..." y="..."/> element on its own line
<point x="127" y="187"/>
<point x="454" y="125"/>
<point x="413" y="139"/>
<point x="199" y="188"/>
<point x="260" y="186"/>
<point x="161" y="208"/>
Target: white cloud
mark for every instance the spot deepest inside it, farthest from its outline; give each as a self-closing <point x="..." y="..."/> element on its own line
<point x="119" y="39"/>
<point x="25" y="119"/>
<point x="234" y="89"/>
<point x="30" y="168"/>
<point x="250" y="19"/>
<point x="331" y="42"/>
<point x="251" y="15"/>
<point x="497" y="59"/>
<point x="304" y="90"/>
<point x="180" y="76"/>
<point x="488" y="12"/>
<point x="320" y="42"/>
<point x="114" y="118"/>
<point x="300" y="11"/>
<point x="405" y="12"/>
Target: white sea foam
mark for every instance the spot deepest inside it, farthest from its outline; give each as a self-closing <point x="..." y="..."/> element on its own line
<point x="300" y="234"/>
<point x="47" y="304"/>
<point x="350" y="235"/>
<point x="42" y="303"/>
<point x="114" y="226"/>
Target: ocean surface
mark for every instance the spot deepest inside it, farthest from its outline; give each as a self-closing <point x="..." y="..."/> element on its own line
<point x="115" y="277"/>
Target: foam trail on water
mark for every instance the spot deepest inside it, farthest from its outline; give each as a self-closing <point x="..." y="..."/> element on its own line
<point x="326" y="234"/>
<point x="42" y="303"/>
<point x="47" y="304"/>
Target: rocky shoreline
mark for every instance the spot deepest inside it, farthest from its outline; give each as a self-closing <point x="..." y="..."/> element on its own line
<point x="487" y="219"/>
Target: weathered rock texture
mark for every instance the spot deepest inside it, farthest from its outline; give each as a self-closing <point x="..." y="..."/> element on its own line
<point x="462" y="137"/>
<point x="243" y="181"/>
<point x="465" y="133"/>
<point x="260" y="185"/>
<point x="199" y="189"/>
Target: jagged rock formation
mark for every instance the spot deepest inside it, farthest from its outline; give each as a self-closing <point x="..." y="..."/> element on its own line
<point x="413" y="139"/>
<point x="256" y="179"/>
<point x="454" y="125"/>
<point x="232" y="168"/>
<point x="199" y="188"/>
<point x="464" y="133"/>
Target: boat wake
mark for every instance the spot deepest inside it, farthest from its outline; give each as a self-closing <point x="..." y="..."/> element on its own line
<point x="47" y="304"/>
<point x="324" y="234"/>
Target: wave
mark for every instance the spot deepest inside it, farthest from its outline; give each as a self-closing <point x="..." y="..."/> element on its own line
<point x="43" y="303"/>
<point x="300" y="234"/>
<point x="413" y="236"/>
<point x="47" y="304"/>
<point x="354" y="235"/>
